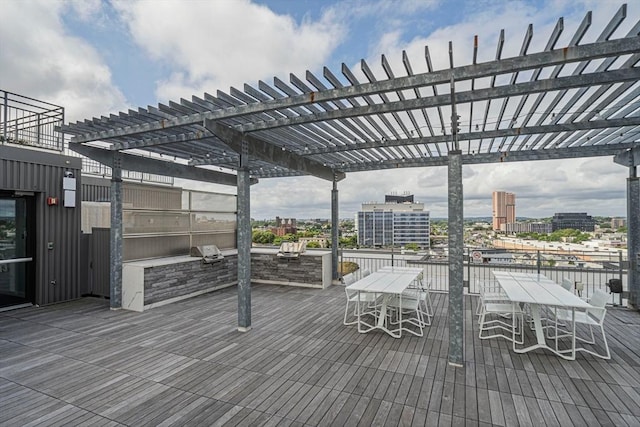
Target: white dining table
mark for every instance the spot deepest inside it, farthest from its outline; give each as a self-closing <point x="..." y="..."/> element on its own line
<point x="386" y="282"/>
<point x="537" y="291"/>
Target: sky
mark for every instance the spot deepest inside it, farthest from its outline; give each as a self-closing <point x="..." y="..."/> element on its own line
<point x="98" y="57"/>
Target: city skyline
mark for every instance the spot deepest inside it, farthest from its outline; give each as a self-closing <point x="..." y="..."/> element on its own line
<point x="97" y="58"/>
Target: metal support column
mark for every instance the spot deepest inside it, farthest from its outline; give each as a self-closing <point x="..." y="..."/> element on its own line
<point x="456" y="242"/>
<point x="633" y="236"/>
<point x="244" y="241"/>
<point x="456" y="259"/>
<point x="335" y="240"/>
<point x="631" y="159"/>
<point x="115" y="280"/>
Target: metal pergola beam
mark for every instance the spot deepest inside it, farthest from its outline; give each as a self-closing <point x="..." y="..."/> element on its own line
<point x="161" y="140"/>
<point x="586" y="52"/>
<point x="469" y="136"/>
<point x="270" y="153"/>
<point x="158" y="167"/>
<point x="629" y="74"/>
<point x="560" y="83"/>
<point x="496" y="157"/>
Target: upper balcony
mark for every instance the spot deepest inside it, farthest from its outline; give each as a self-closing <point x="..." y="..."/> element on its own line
<point x="30" y="122"/>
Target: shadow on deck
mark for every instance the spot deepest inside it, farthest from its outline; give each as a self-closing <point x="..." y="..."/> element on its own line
<point x="185" y="364"/>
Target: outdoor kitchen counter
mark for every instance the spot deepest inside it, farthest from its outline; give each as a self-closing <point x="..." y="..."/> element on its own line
<point x="155" y="282"/>
<point x="311" y="268"/>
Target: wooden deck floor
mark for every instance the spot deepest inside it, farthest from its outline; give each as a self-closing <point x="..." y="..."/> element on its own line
<point x="79" y="363"/>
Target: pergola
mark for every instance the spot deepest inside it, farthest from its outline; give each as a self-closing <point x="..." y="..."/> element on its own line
<point x="578" y="100"/>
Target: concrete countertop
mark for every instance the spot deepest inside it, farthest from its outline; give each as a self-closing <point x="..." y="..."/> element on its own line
<point x="158" y="262"/>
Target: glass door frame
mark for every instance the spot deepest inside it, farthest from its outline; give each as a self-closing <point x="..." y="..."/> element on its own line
<point x="27" y="256"/>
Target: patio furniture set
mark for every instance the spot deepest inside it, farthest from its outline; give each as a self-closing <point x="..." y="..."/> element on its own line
<point x="392" y="299"/>
<point x="397" y="300"/>
<point x="552" y="311"/>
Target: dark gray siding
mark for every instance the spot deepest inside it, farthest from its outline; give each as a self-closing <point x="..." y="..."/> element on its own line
<point x="96" y="189"/>
<point x="41" y="173"/>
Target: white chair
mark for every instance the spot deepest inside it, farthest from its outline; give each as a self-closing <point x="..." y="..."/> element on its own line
<point x="425" y="305"/>
<point x="567" y="284"/>
<point x="496" y="312"/>
<point x="406" y="309"/>
<point x="591" y="317"/>
<point x="503" y="310"/>
<point x="489" y="291"/>
<point x="366" y="298"/>
<point x="348" y="279"/>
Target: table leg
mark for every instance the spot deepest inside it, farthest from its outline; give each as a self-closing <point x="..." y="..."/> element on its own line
<point x="573" y="333"/>
<point x="537" y="323"/>
<point x="400" y="316"/>
<point x="358" y="312"/>
<point x="383" y="312"/>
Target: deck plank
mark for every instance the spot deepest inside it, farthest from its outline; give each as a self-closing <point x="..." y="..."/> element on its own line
<point x="186" y="364"/>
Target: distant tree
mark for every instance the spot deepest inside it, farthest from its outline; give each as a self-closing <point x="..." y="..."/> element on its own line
<point x="349" y="242"/>
<point x="307" y="233"/>
<point x="262" y="237"/>
<point x="412" y="246"/>
<point x="313" y="245"/>
<point x="290" y="238"/>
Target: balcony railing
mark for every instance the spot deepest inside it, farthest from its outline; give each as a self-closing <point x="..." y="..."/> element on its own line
<point x="29" y="122"/>
<point x="588" y="276"/>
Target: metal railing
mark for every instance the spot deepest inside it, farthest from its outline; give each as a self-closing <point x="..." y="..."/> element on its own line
<point x="30" y="122"/>
<point x="92" y="167"/>
<point x="587" y="278"/>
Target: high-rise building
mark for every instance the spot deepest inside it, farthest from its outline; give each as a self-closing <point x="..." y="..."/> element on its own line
<point x="393" y="223"/>
<point x="504" y="209"/>
<point x="576" y="221"/>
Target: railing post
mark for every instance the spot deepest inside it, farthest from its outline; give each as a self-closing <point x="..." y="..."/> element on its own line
<point x="391" y="255"/>
<point x="620" y="269"/>
<point x="620" y="273"/>
<point x="335" y="235"/>
<point x="538" y="261"/>
<point x="5" y="108"/>
<point x="468" y="284"/>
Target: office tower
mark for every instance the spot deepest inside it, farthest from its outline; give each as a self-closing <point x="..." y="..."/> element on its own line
<point x="504" y="209"/>
<point x="393" y="223"/>
<point x="577" y="221"/>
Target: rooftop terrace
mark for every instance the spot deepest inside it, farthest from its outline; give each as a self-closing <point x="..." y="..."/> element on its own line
<point x="186" y="364"/>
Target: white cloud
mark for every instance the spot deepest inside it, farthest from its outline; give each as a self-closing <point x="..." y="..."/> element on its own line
<point x="213" y="45"/>
<point x="594" y="185"/>
<point x="41" y="60"/>
<point x="209" y="45"/>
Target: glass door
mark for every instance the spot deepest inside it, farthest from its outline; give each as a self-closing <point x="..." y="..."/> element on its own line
<point x="16" y="249"/>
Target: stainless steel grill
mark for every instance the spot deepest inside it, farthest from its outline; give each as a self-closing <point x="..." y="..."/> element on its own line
<point x="291" y="250"/>
<point x="210" y="254"/>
